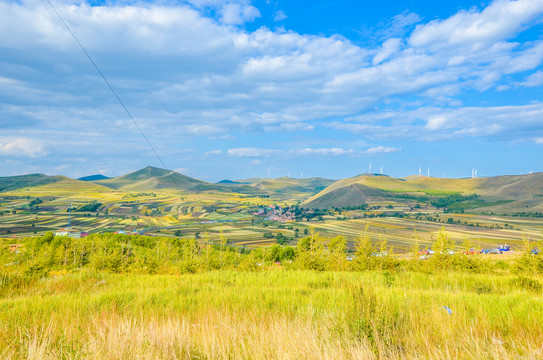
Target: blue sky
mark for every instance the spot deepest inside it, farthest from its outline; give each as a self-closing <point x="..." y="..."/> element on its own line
<point x="240" y="88"/>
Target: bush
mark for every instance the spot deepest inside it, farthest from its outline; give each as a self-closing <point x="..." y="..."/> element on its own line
<point x="527" y="283"/>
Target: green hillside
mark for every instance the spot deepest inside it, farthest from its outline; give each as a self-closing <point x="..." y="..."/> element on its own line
<point x="288" y="185"/>
<point x="507" y="193"/>
<point x="152" y="178"/>
<point x="11" y="183"/>
<point x="53" y="184"/>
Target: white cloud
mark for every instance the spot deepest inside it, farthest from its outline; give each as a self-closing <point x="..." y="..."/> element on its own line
<point x="24" y="147"/>
<point x="476" y="29"/>
<point x="400" y="23"/>
<point x="322" y="151"/>
<point x="433" y="123"/>
<point x="238" y="13"/>
<point x="252" y="152"/>
<point x="389" y="47"/>
<point x="213" y="152"/>
<point x="535" y="79"/>
<point x="436" y="122"/>
<point x="539" y="140"/>
<point x="308" y="151"/>
<point x="279" y="16"/>
<point x="188" y="72"/>
<point x="292" y="126"/>
<point x="382" y="150"/>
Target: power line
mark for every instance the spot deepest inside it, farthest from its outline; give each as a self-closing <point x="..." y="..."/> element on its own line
<point x="114" y="93"/>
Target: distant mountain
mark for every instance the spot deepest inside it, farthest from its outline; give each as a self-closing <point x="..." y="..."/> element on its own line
<point x="502" y="193"/>
<point x="228" y="182"/>
<point x="93" y="177"/>
<point x="58" y="182"/>
<point x="152" y="178"/>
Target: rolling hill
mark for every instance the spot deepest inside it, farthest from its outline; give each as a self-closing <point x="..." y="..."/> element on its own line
<point x="11" y="183"/>
<point x="520" y="192"/>
<point x="45" y="182"/>
<point x="152" y="178"/>
<point x="508" y="193"/>
<point x="288" y="185"/>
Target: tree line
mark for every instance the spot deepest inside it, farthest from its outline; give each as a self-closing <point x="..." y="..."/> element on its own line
<point x="117" y="253"/>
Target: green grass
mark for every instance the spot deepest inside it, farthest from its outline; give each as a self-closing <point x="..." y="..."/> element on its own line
<point x="272" y="314"/>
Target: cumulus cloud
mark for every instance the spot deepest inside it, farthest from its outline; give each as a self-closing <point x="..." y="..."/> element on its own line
<point x="238" y="13"/>
<point x="434" y="123"/>
<point x="474" y="29"/>
<point x="308" y="151"/>
<point x="279" y="16"/>
<point x="535" y="79"/>
<point x="23" y="147"/>
<point x="196" y="69"/>
<point x="388" y="48"/>
<point x="252" y="152"/>
<point x="190" y="71"/>
<point x="382" y="150"/>
<point x="322" y="151"/>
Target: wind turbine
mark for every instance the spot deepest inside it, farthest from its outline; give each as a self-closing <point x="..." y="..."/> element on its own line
<point x="369" y="171"/>
<point x="428" y="172"/>
<point x="381" y="170"/>
<point x="420" y="170"/>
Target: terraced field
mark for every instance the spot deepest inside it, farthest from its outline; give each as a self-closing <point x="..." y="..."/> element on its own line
<point x="106" y="206"/>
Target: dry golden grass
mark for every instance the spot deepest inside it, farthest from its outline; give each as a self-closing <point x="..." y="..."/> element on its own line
<point x="273" y="315"/>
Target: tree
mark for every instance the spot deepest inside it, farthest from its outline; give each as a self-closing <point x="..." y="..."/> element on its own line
<point x="287" y="253"/>
<point x="364" y="248"/>
<point x="338" y="247"/>
<point x="311" y="252"/>
<point x="415" y="247"/>
<point x="281" y="239"/>
<point x="443" y="242"/>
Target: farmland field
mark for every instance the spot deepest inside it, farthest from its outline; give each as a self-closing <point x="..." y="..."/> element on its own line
<point x="203" y="214"/>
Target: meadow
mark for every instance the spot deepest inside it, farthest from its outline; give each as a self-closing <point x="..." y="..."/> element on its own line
<point x="139" y="297"/>
<point x="273" y="314"/>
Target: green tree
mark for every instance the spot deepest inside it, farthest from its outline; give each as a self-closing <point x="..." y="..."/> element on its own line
<point x="338" y="248"/>
<point x="311" y="252"/>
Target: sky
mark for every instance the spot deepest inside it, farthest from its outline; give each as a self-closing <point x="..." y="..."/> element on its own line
<point x="240" y="88"/>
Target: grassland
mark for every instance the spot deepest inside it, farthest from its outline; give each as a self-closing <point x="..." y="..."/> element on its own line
<point x="273" y="314"/>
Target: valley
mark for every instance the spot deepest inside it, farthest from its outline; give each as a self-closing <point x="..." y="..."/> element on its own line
<point x="256" y="212"/>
